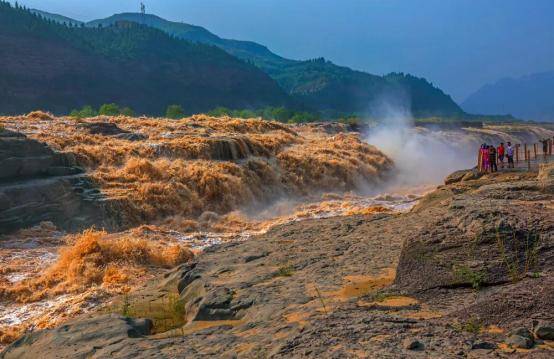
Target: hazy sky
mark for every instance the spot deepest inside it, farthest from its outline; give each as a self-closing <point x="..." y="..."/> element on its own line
<point x="457" y="44"/>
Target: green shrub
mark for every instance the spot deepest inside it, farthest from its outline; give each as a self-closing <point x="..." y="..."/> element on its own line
<point x="85" y="112"/>
<point x="109" y="109"/>
<point x="473" y="326"/>
<point x="127" y="111"/>
<point x="466" y="274"/>
<point x="518" y="261"/>
<point x="174" y="112"/>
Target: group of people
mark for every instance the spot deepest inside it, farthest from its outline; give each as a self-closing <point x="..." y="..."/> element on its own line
<point x="490" y="157"/>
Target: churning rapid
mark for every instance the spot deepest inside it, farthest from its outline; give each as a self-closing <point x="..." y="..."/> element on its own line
<point x="107" y="202"/>
<point x="170" y="186"/>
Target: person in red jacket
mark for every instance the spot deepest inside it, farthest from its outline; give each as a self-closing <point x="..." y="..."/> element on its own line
<point x="500" y="151"/>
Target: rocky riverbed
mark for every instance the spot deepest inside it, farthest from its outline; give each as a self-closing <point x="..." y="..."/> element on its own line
<point x="468" y="272"/>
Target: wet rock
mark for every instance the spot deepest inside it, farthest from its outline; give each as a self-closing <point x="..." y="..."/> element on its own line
<point x="483" y="345"/>
<point x="131" y="136"/>
<point x="544" y="330"/>
<point x="187" y="278"/>
<point x="456" y="176"/>
<point x="63" y="171"/>
<point x="39" y="184"/>
<point x="517" y="341"/>
<point x="216" y="305"/>
<point x="522" y="332"/>
<point x="412" y="344"/>
<point x="253" y="257"/>
<point x="520" y="338"/>
<point x="102" y="128"/>
<point x="21" y="157"/>
<point x="471" y="175"/>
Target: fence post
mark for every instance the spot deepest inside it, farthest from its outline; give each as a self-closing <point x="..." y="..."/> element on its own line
<point x="517" y="153"/>
<point x="535" y="149"/>
<point x="525" y="151"/>
<point x="529" y="160"/>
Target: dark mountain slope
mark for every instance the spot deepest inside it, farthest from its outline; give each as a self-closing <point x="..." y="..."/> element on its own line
<point x="247" y="50"/>
<point x="317" y="83"/>
<point x="57" y="68"/>
<point x="528" y="97"/>
<point x="57" y="18"/>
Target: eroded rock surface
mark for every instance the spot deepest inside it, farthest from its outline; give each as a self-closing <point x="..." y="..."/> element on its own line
<point x="360" y="286"/>
<point x="38" y="184"/>
<point x="96" y="337"/>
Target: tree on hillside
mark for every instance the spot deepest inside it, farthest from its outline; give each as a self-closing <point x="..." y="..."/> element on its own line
<point x="109" y="109"/>
<point x="220" y="111"/>
<point x="174" y="112"/>
<point x="85" y="112"/>
<point x="127" y="111"/>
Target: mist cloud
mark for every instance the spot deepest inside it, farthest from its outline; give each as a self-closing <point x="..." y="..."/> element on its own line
<point x="421" y="156"/>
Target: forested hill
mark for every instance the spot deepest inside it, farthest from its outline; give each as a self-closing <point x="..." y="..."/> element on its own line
<point x="318" y="83"/>
<point x="46" y="65"/>
<point x="57" y="18"/>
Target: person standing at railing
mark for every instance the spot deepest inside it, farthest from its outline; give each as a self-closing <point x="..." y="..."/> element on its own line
<point x="492" y="159"/>
<point x="500" y="151"/>
<point x="510" y="155"/>
<point x="484" y="158"/>
<point x="545" y="144"/>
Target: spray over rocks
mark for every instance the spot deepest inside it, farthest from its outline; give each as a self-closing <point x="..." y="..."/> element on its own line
<point x="426" y="155"/>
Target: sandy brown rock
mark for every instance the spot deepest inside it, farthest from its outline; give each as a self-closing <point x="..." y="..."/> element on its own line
<point x="327" y="288"/>
<point x="483" y="233"/>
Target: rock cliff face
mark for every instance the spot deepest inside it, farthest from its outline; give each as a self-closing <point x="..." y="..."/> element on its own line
<point x="38" y="184"/>
<point x="459" y="275"/>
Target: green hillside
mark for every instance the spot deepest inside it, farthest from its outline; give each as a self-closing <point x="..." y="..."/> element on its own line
<point x="57" y="18"/>
<point x="57" y="68"/>
<point x="318" y="84"/>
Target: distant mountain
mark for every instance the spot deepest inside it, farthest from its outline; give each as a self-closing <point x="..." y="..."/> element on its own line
<point x="45" y="65"/>
<point x="318" y="84"/>
<point x="529" y="97"/>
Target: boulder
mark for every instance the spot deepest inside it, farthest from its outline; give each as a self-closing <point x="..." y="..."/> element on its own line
<point x="544" y="330"/>
<point x="520" y="338"/>
<point x="461" y="176"/>
<point x="479" y="345"/>
<point x="412" y="344"/>
<point x="455" y="176"/>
